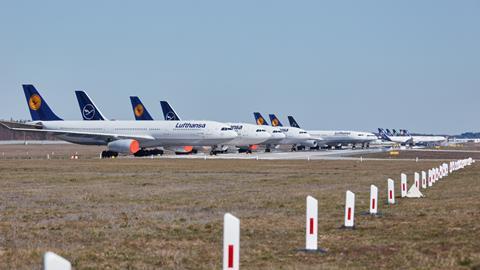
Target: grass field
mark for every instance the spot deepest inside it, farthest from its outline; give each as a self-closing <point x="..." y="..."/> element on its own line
<point x="168" y="214"/>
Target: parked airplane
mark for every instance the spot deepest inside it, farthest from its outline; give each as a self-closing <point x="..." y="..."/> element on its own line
<point x="404" y="135"/>
<point x="141" y="114"/>
<point x="249" y="136"/>
<point x="337" y="138"/>
<point x="91" y="112"/>
<point x="126" y="137"/>
<point x="396" y="138"/>
<point x="293" y="136"/>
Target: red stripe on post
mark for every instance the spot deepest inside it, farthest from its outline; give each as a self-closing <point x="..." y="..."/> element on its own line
<point x="391" y="195"/>
<point x="311" y="225"/>
<point x="230" y="256"/>
<point x="349" y="216"/>
<point x="373" y="203"/>
<point x="403" y="187"/>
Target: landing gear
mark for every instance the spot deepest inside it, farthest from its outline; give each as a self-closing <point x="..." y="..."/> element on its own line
<point x="148" y="153"/>
<point x="244" y="150"/>
<point x="300" y="147"/>
<point x="354" y="146"/>
<point x="268" y="150"/>
<point x="109" y="154"/>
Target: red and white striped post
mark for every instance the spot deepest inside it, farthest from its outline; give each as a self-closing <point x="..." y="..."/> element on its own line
<point x="391" y="191"/>
<point x="417" y="180"/>
<point x="424" y="180"/>
<point x="311" y="240"/>
<point x="403" y="185"/>
<point x="349" y="209"/>
<point x="52" y="261"/>
<point x="231" y="242"/>
<point x="373" y="200"/>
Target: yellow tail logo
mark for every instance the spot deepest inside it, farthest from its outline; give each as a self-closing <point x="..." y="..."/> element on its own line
<point x="139" y="110"/>
<point x="35" y="102"/>
<point x="275" y="122"/>
<point x="260" y="121"/>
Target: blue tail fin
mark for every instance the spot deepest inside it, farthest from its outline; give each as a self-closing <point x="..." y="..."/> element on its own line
<point x="168" y="113"/>
<point x="395" y="133"/>
<point x="388" y="132"/>
<point x="292" y="121"/>
<point x="259" y="119"/>
<point x="274" y="120"/>
<point x="87" y="108"/>
<point x="39" y="109"/>
<point x="383" y="134"/>
<point x="139" y="110"/>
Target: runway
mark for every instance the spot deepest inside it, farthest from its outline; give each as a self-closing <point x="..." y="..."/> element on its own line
<point x="343" y="154"/>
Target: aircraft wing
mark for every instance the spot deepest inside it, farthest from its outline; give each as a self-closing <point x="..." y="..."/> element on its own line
<point x="96" y="135"/>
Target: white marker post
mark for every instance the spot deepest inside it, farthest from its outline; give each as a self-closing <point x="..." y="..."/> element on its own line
<point x="424" y="180"/>
<point x="231" y="242"/>
<point x="349" y="210"/>
<point x="417" y="180"/>
<point x="430" y="178"/>
<point x="373" y="200"/>
<point x="52" y="261"/>
<point x="391" y="191"/>
<point x="403" y="185"/>
<point x="311" y="242"/>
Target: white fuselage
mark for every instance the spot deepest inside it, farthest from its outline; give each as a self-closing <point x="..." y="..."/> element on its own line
<point x="294" y="135"/>
<point x="337" y="137"/>
<point x="248" y="134"/>
<point x="400" y="139"/>
<point x="428" y="139"/>
<point x="161" y="133"/>
<point x="277" y="135"/>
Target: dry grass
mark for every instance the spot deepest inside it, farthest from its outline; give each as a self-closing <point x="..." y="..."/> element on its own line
<point x="151" y="214"/>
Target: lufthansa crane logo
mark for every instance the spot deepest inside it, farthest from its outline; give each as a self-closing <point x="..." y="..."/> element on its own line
<point x="35" y="102"/>
<point x="88" y="112"/>
<point x="275" y="122"/>
<point x="139" y="110"/>
<point x="260" y="121"/>
<point x="170" y="116"/>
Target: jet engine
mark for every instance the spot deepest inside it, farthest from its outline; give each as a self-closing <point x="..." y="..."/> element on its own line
<point x="182" y="150"/>
<point x="310" y="143"/>
<point x="126" y="146"/>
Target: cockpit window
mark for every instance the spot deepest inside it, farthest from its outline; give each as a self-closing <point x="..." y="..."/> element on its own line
<point x="277" y="131"/>
<point x="226" y="128"/>
<point x="261" y="130"/>
<point x="303" y="132"/>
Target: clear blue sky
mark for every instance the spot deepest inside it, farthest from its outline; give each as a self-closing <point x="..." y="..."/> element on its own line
<point x="334" y="65"/>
